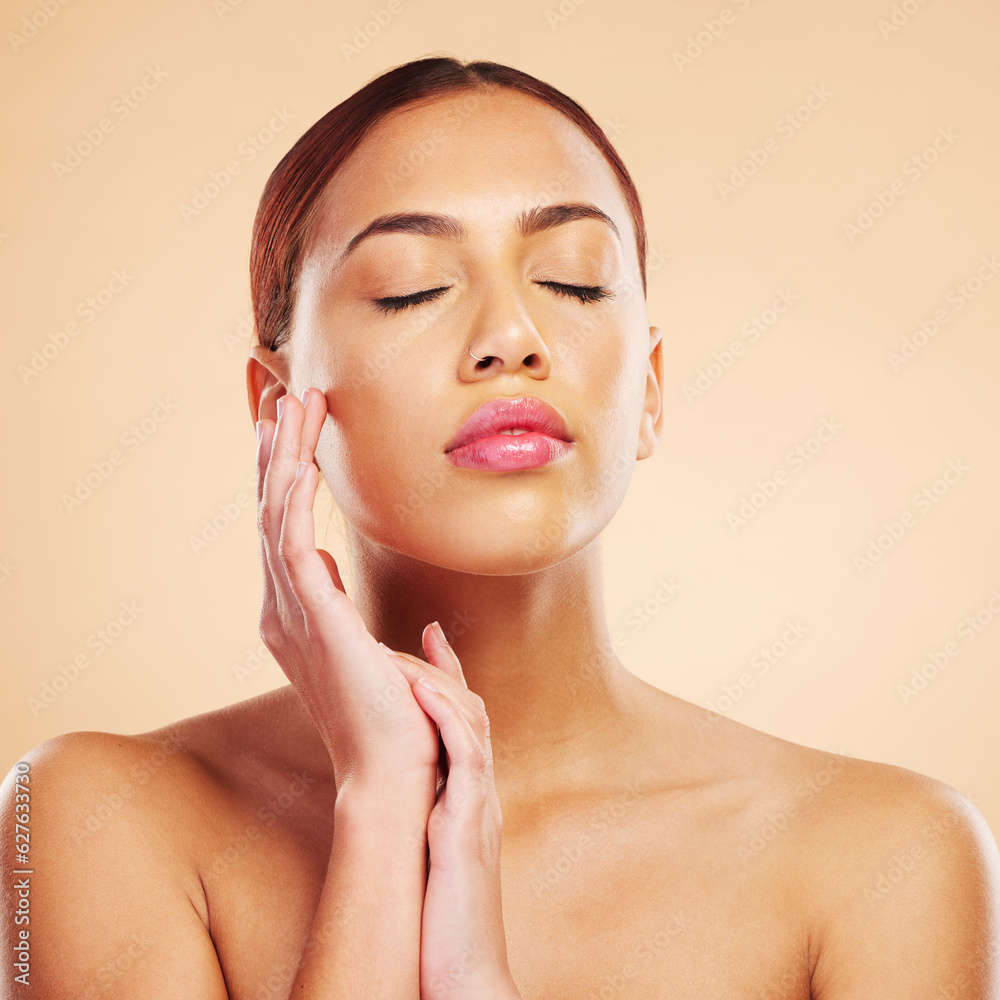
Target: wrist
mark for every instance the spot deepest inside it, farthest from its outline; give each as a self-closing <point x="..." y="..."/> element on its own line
<point x="385" y="801"/>
<point x="390" y="819"/>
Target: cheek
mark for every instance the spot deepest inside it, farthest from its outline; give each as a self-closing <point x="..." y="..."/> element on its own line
<point x="611" y="375"/>
<point x="373" y="453"/>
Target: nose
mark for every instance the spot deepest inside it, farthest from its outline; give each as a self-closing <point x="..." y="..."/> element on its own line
<point x="505" y="340"/>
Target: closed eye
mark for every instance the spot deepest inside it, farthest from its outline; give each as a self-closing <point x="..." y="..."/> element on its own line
<point x="585" y="293"/>
<point x="394" y="303"/>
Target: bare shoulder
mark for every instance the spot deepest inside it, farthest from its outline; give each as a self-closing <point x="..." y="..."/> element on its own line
<point x="117" y="833"/>
<point x="109" y="894"/>
<point x="908" y="889"/>
<point x="899" y="873"/>
<point x="894" y="874"/>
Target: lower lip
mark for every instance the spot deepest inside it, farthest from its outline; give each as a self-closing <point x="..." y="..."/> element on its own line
<point x="502" y="452"/>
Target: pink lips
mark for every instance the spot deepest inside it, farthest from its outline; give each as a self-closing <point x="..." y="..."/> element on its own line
<point x="540" y="436"/>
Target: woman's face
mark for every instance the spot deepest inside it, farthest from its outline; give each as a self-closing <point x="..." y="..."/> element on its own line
<point x="398" y="376"/>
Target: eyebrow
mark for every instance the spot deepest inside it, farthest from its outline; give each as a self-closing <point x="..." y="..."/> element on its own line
<point x="529" y="222"/>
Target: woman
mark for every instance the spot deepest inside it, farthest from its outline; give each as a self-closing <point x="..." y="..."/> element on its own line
<point x="448" y="286"/>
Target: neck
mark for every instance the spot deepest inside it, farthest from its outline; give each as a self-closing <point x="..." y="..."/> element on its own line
<point x="535" y="647"/>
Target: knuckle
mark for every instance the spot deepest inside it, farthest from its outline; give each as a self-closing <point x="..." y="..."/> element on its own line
<point x="271" y="632"/>
<point x="267" y="520"/>
<point x="288" y="550"/>
<point x="480" y="759"/>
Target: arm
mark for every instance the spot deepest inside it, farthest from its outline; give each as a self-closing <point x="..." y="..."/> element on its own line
<point x="105" y="911"/>
<point x="463" y="943"/>
<point x="364" y="941"/>
<point x="916" y="911"/>
<point x="365" y="937"/>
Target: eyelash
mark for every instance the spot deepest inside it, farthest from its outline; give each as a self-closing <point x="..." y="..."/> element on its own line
<point x="585" y="293"/>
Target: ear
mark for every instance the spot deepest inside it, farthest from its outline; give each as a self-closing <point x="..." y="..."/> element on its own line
<point x="651" y="428"/>
<point x="268" y="379"/>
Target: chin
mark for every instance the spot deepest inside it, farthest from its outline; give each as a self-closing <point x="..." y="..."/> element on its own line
<point x="496" y="547"/>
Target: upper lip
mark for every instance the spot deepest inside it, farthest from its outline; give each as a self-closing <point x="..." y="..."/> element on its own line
<point x="495" y="415"/>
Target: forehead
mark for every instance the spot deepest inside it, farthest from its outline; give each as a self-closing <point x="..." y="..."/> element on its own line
<point x="481" y="156"/>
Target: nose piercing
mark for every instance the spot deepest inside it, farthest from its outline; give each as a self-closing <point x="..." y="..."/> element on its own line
<point x="478" y="359"/>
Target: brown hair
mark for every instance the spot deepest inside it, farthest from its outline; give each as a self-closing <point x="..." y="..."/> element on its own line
<point x="293" y="189"/>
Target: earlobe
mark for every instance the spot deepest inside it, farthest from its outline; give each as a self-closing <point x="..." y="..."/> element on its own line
<point x="651" y="428"/>
<point x="267" y="380"/>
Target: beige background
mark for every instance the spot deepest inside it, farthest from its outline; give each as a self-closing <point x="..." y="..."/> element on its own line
<point x="177" y="333"/>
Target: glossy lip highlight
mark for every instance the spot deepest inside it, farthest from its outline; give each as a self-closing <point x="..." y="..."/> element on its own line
<point x="505" y="413"/>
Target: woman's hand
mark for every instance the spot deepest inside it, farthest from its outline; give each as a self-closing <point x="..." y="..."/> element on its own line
<point x="377" y="734"/>
<point x="463" y="948"/>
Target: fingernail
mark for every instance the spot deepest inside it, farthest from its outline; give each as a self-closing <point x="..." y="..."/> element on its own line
<point x="305" y="396"/>
<point x="281" y="405"/>
<point x="440" y="632"/>
<point x="426" y="683"/>
<point x="260" y="431"/>
<point x="300" y="469"/>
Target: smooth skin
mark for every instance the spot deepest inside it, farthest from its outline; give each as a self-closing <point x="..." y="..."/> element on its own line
<point x="588" y="836"/>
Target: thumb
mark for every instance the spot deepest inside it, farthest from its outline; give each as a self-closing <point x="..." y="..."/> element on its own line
<point x="331" y="567"/>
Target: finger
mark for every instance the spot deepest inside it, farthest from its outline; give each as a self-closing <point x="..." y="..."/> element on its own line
<point x="269" y="605"/>
<point x="314" y="409"/>
<point x="412" y="668"/>
<point x="333" y="570"/>
<point x="279" y="474"/>
<point x="466" y="740"/>
<point x="330" y="617"/>
<point x="439" y="652"/>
